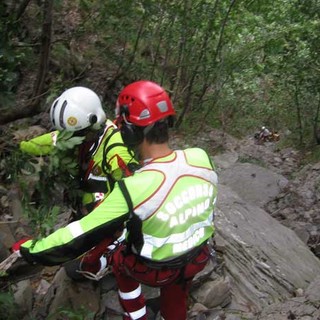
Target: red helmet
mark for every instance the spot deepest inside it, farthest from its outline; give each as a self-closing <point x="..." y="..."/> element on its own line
<point x="142" y="103"/>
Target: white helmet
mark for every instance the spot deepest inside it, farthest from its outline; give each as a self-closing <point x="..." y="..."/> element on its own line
<point x="76" y="109"/>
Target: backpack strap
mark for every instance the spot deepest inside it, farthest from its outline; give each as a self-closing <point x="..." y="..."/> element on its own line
<point x="104" y="165"/>
<point x="134" y="224"/>
<point x="106" y="149"/>
<point x="126" y="195"/>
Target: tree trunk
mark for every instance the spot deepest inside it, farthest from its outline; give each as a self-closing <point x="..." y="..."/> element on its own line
<point x="44" y="53"/>
<point x="32" y="107"/>
<point x="316" y="128"/>
<point x="299" y="117"/>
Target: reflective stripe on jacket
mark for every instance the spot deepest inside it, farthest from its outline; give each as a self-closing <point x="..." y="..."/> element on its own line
<point x="174" y="195"/>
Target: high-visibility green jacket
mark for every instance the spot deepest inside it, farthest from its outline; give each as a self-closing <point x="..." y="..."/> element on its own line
<point x="103" y="161"/>
<point x="174" y="196"/>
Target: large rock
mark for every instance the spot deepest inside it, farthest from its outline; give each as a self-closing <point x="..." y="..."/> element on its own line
<point x="254" y="184"/>
<point x="65" y="295"/>
<point x="265" y="261"/>
<point x="305" y="306"/>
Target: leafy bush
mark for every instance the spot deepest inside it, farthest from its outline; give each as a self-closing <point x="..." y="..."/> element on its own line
<point x="43" y="182"/>
<point x="8" y="306"/>
<point x="70" y="314"/>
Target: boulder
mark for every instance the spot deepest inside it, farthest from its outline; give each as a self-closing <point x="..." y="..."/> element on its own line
<point x="265" y="261"/>
<point x="254" y="184"/>
<point x="305" y="306"/>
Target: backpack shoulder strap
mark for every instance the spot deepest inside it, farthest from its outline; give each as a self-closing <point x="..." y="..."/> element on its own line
<point x="126" y="195"/>
<point x="134" y="224"/>
<point x="106" y="148"/>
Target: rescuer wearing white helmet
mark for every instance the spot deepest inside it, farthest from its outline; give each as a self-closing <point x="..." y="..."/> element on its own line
<point x="103" y="158"/>
<point x="76" y="109"/>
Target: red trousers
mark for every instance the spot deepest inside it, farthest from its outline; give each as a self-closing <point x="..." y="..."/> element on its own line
<point x="174" y="285"/>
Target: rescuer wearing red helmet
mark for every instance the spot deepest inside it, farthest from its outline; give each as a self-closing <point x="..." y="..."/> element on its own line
<point x="167" y="206"/>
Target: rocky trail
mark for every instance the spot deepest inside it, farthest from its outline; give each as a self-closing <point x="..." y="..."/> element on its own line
<point x="268" y="247"/>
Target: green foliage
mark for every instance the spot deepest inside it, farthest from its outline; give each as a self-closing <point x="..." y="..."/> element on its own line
<point x="44" y="181"/>
<point x="312" y="155"/>
<point x="8" y="306"/>
<point x="42" y="219"/>
<point x="81" y="313"/>
<point x="230" y="64"/>
<point x="14" y="53"/>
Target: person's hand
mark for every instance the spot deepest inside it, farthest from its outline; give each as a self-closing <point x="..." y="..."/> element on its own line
<point x="15" y="248"/>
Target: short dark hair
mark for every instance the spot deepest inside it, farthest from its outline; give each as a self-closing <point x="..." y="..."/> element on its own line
<point x="158" y="133"/>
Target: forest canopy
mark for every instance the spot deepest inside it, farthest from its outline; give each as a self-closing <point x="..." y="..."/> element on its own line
<point x="235" y="64"/>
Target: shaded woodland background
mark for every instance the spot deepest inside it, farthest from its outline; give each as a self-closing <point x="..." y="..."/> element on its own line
<point x="235" y="64"/>
<point x="229" y="66"/>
